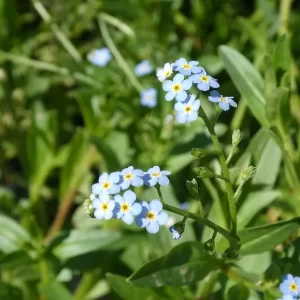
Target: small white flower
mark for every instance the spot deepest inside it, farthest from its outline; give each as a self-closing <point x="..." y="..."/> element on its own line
<point x="99" y="57"/>
<point x="130" y="176"/>
<point x="104" y="207"/>
<point x="187" y="110"/>
<point x="107" y="184"/>
<point x="155" y="175"/>
<point x="165" y="72"/>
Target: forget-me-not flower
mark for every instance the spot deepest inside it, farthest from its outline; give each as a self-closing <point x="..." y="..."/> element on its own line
<point x="151" y="216"/>
<point x="165" y="72"/>
<point x="187" y="110"/>
<point x="107" y="184"/>
<point x="204" y="81"/>
<point x="104" y="207"/>
<point x="290" y="285"/>
<point x="177" y="88"/>
<point x="125" y="208"/>
<point x="99" y="57"/>
<point x="143" y="68"/>
<point x="224" y="102"/>
<point x="130" y="176"/>
<point x="175" y="234"/>
<point x="149" y="97"/>
<point x="155" y="175"/>
<point x="187" y="68"/>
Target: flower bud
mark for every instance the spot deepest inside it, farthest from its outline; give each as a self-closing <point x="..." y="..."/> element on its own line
<point x="237" y="136"/>
<point x="248" y="172"/>
<point x="210" y="246"/>
<point x="231" y="253"/>
<point x="204" y="172"/>
<point x="88" y="207"/>
<point x="177" y="230"/>
<point x="192" y="186"/>
<point x="198" y="153"/>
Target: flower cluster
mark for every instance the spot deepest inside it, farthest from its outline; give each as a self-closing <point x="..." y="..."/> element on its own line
<point x="123" y="204"/>
<point x="290" y="287"/>
<point x="189" y="73"/>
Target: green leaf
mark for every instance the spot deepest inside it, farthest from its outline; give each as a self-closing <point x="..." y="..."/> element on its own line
<point x="267" y="237"/>
<point x="248" y="81"/>
<point x="12" y="235"/>
<point x="79" y="242"/>
<point x="53" y="290"/>
<point x="127" y="291"/>
<point x="9" y="292"/>
<point x="185" y="264"/>
<point x="282" y="54"/>
<point x="14" y="260"/>
<point x="238" y="292"/>
<point x="177" y="162"/>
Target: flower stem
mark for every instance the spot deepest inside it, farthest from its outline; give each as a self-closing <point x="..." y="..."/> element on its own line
<point x="230" y="156"/>
<point x="161" y="198"/>
<point x="239" y="190"/>
<point x="224" y="167"/>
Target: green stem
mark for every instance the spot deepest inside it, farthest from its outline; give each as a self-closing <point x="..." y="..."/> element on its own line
<point x="286" y="140"/>
<point x="284" y="15"/>
<point x="119" y="58"/>
<point x="229" y="156"/>
<point x="39" y="7"/>
<point x="215" y="140"/>
<point x="161" y="198"/>
<point x="222" y="177"/>
<point x="239" y="190"/>
<point x="88" y="281"/>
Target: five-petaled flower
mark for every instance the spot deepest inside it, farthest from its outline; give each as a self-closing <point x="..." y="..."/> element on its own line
<point x="143" y="68"/>
<point x="165" y="72"/>
<point x="107" y="184"/>
<point x="187" y="110"/>
<point x="177" y="88"/>
<point x="155" y="175"/>
<point x="204" y="81"/>
<point x="151" y="216"/>
<point x="224" y="102"/>
<point x="99" y="57"/>
<point x="125" y="208"/>
<point x="104" y="207"/>
<point x="175" y="234"/>
<point x="290" y="285"/>
<point x="130" y="176"/>
<point x="148" y="97"/>
<point x="187" y="68"/>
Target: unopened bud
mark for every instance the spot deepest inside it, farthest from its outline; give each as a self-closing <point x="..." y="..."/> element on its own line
<point x="210" y="246"/>
<point x="88" y="207"/>
<point x="248" y="172"/>
<point x="231" y="253"/>
<point x="192" y="186"/>
<point x="177" y="230"/>
<point x="204" y="172"/>
<point x="198" y="153"/>
<point x="237" y="136"/>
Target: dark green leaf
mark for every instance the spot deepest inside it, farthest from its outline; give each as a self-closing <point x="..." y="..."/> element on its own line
<point x="53" y="290"/>
<point x="238" y="292"/>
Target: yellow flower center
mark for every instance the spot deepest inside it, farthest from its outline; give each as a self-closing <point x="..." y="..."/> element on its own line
<point x="293" y="287"/>
<point x="125" y="207"/>
<point x="167" y="73"/>
<point x="155" y="174"/>
<point x="106" y="185"/>
<point x="204" y="78"/>
<point x="188" y="109"/>
<point x="128" y="176"/>
<point x="186" y="66"/>
<point x="151" y="216"/>
<point x="223" y="99"/>
<point x="104" y="206"/>
<point x="177" y="87"/>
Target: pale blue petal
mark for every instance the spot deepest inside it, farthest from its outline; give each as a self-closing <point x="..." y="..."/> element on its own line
<point x="129" y="197"/>
<point x="193" y="62"/>
<point x="185" y="72"/>
<point x="195" y="78"/>
<point x="213" y="82"/>
<point x="196" y="105"/>
<point x="96" y="203"/>
<point x="203" y="86"/>
<point x="224" y="105"/>
<point x="166" y="172"/>
<point x="155" y="205"/>
<point x="137" y="181"/>
<point x="167" y="85"/>
<point x="162" y="218"/>
<point x="215" y="93"/>
<point x="197" y="70"/>
<point x="179" y="106"/>
<point x="111" y="205"/>
<point x="99" y="214"/>
<point x="192" y="116"/>
<point x="156" y="169"/>
<point x="103" y="177"/>
<point x="138" y="172"/>
<point x="145" y="207"/>
<point x="213" y="99"/>
<point x="141" y="222"/>
<point x="178" y="78"/>
<point x="181" y="96"/>
<point x="163" y="180"/>
<point x="136" y="209"/>
<point x="96" y="188"/>
<point x="108" y="215"/>
<point x="152" y="227"/>
<point x="181" y="118"/>
<point x="187" y="84"/>
<point x="114" y="189"/>
<point x="170" y="96"/>
<point x="232" y="103"/>
<point x="128" y="218"/>
<point x="114" y="177"/>
<point x="146" y="178"/>
<point x="125" y="184"/>
<point x="104" y="197"/>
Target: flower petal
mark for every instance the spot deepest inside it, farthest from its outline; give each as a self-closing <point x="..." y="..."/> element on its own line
<point x="114" y="177"/>
<point x="179" y="106"/>
<point x="167" y="85"/>
<point x="213" y="99"/>
<point x="162" y="218"/>
<point x="153" y="227"/>
<point x="213" y="83"/>
<point x="203" y="86"/>
<point x="141" y="222"/>
<point x="99" y="214"/>
<point x="178" y="78"/>
<point x="129" y="197"/>
<point x="181" y="96"/>
<point x="137" y="181"/>
<point x="232" y="103"/>
<point x="128" y="218"/>
<point x="138" y="172"/>
<point x="187" y="84"/>
<point x="111" y="205"/>
<point x="181" y="118"/>
<point x="108" y="215"/>
<point x="114" y="189"/>
<point x="119" y="199"/>
<point x="96" y="203"/>
<point x="155" y="205"/>
<point x="166" y="172"/>
<point x="224" y="105"/>
<point x="103" y="177"/>
<point x="163" y="180"/>
<point x="104" y="197"/>
<point x="136" y="208"/>
<point x="170" y="96"/>
<point x="192" y="116"/>
<point x="125" y="184"/>
<point x="96" y="188"/>
<point x="196" y="105"/>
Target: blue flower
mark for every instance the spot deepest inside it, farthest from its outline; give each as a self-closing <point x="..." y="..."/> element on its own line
<point x="224" y="102"/>
<point x="176" y="235"/>
<point x="287" y="297"/>
<point x="187" y="68"/>
<point x="99" y="57"/>
<point x="204" y="81"/>
<point x="125" y="207"/>
<point x="290" y="285"/>
<point x="187" y="110"/>
<point x="143" y="68"/>
<point x="155" y="175"/>
<point x="107" y="184"/>
<point x="177" y="88"/>
<point x="148" y="97"/>
<point x="104" y="207"/>
<point x="130" y="176"/>
<point x="165" y="72"/>
<point x="185" y="206"/>
<point x="151" y="216"/>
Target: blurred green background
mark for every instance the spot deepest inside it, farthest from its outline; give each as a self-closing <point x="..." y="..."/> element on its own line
<point x="64" y="121"/>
